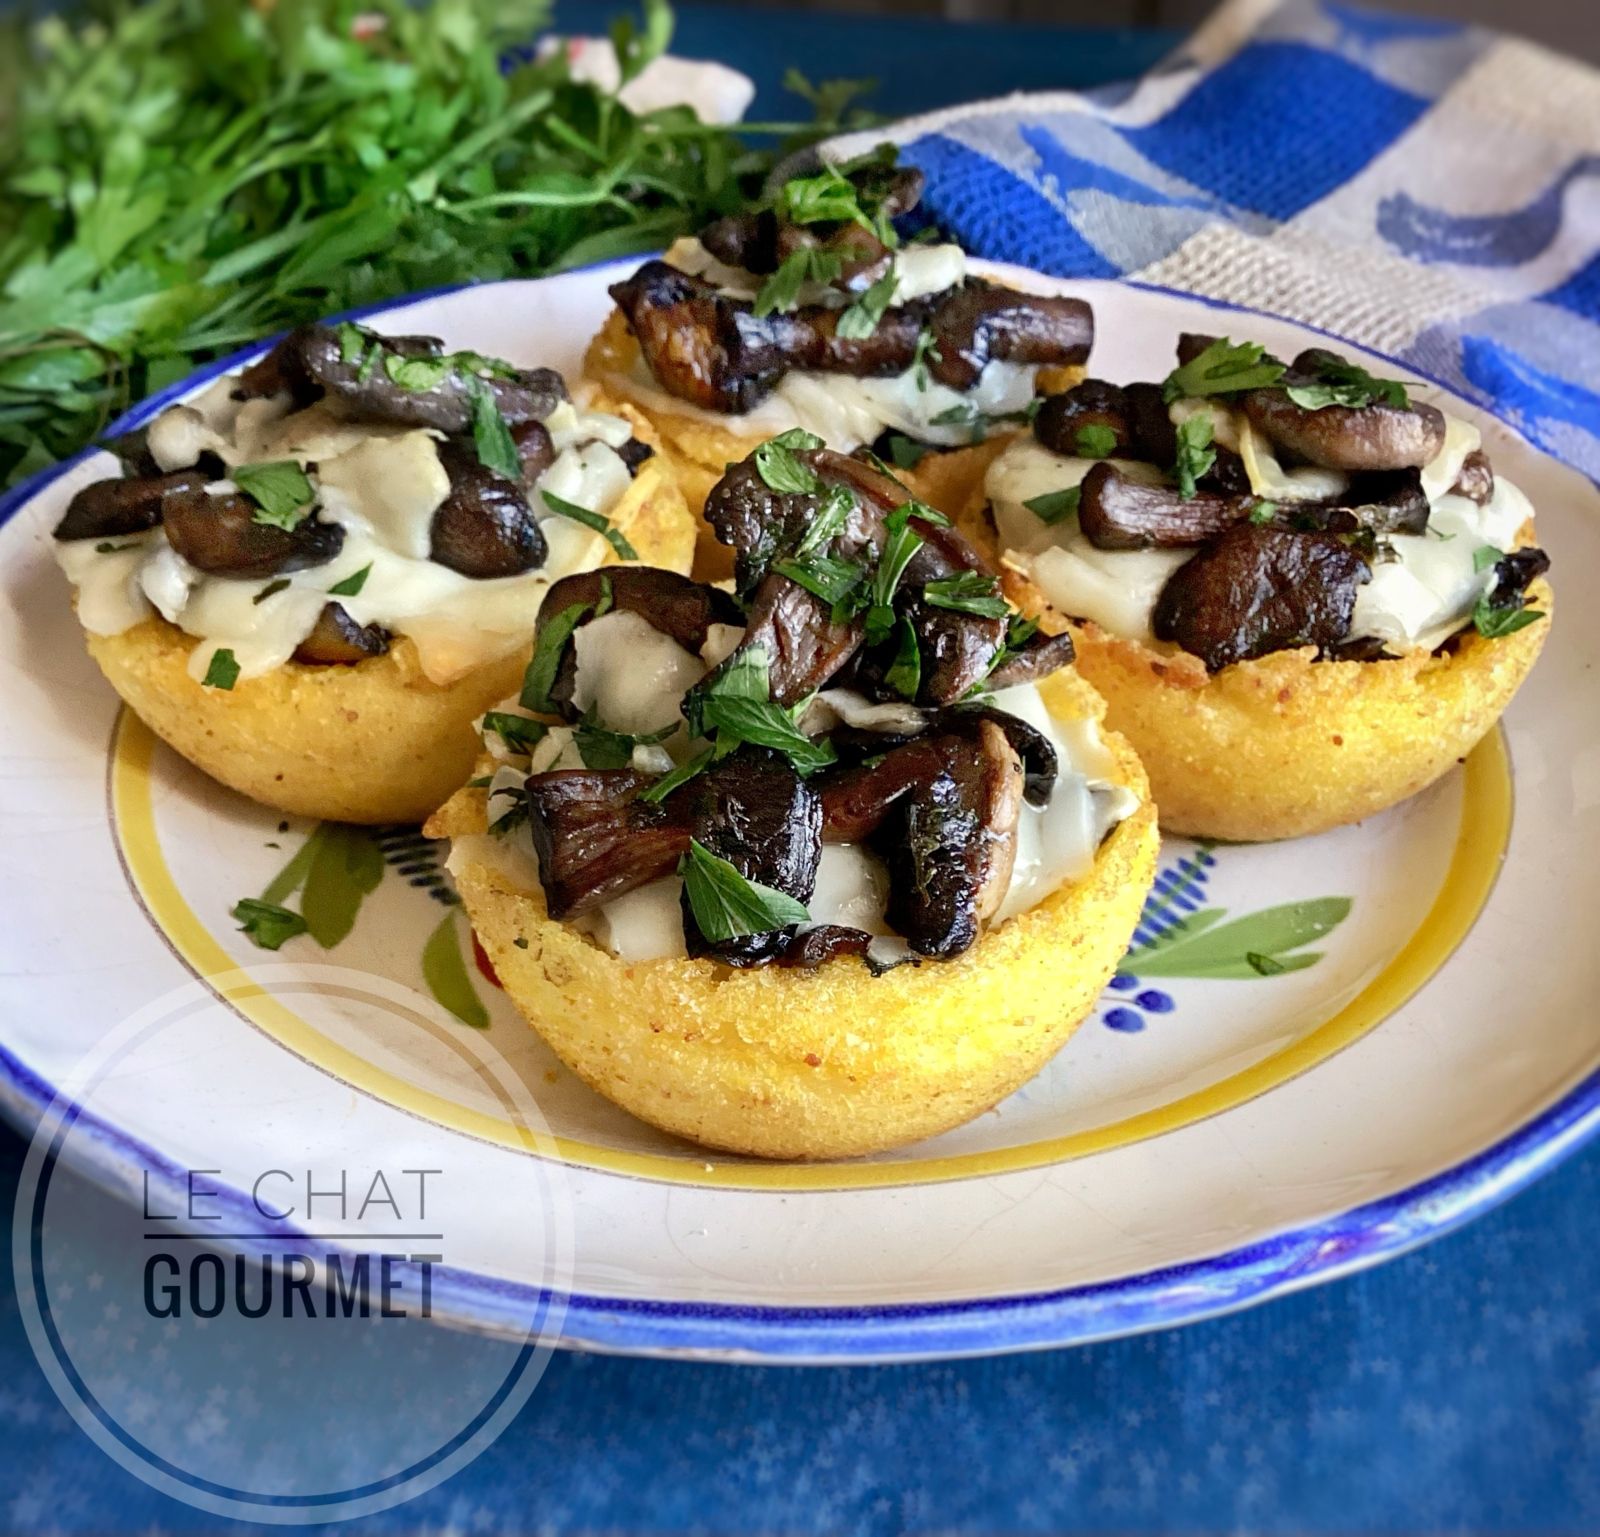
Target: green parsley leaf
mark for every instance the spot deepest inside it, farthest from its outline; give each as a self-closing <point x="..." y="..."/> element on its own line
<point x="353" y="583"/>
<point x="927" y="351"/>
<point x="781" y="291"/>
<point x="830" y="519"/>
<point x="519" y="733"/>
<point x="276" y="585"/>
<point x="923" y="513"/>
<point x="1484" y="556"/>
<point x="540" y="676"/>
<point x="782" y="472"/>
<point x="862" y="317"/>
<point x="1195" y="452"/>
<point x="1224" y="368"/>
<point x="1095" y="441"/>
<point x="598" y="521"/>
<point x="654" y="794"/>
<point x="904" y="674"/>
<point x="830" y="578"/>
<point x="1055" y="506"/>
<point x="1019" y="632"/>
<point x="602" y="748"/>
<point x="1494" y="622"/>
<point x="222" y="671"/>
<point x="266" y="924"/>
<point x="764" y="724"/>
<point x="968" y="592"/>
<point x="727" y="905"/>
<point x="962" y="414"/>
<point x="280" y="489"/>
<point x="1264" y="965"/>
<point x="1263" y="512"/>
<point x="353" y="342"/>
<point x="907" y="453"/>
<point x="416" y="373"/>
<point x="899" y="545"/>
<point x="497" y="450"/>
<point x="1340" y="383"/>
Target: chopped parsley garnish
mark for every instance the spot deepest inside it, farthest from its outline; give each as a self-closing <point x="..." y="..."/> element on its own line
<point x="782" y="472"/>
<point x="222" y="671"/>
<point x="1019" y="632"/>
<point x="927" y="351"/>
<point x="862" y="317"/>
<point x="831" y="197"/>
<point x="830" y="519"/>
<point x="280" y="489"/>
<point x="907" y="453"/>
<point x="968" y="592"/>
<point x="1339" y="383"/>
<point x="519" y="733"/>
<point x="602" y="748"/>
<point x="663" y="787"/>
<point x="598" y="521"/>
<point x="1484" y="556"/>
<point x="491" y="437"/>
<point x="1095" y="441"/>
<point x="417" y="373"/>
<point x="540" y="676"/>
<point x="1493" y="621"/>
<point x="353" y="342"/>
<point x="1195" y="452"/>
<point x="904" y="674"/>
<point x="781" y="291"/>
<point x="1224" y="368"/>
<point x="738" y="706"/>
<point x="899" y="545"/>
<point x="266" y="923"/>
<point x="353" y="583"/>
<point x="1263" y="512"/>
<point x="1055" y="506"/>
<point x="727" y="905"/>
<point x="962" y="414"/>
<point x="830" y="578"/>
<point x="276" y="585"/>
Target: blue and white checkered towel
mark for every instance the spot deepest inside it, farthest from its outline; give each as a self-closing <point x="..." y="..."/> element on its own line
<point x="1429" y="190"/>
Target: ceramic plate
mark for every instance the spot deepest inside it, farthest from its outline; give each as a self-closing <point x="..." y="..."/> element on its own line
<point x="1422" y="1042"/>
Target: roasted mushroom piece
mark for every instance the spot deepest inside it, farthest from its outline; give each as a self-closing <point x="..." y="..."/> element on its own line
<point x="753" y="810"/>
<point x="1381" y="502"/>
<point x="980" y="323"/>
<point x="336" y="639"/>
<point x="113" y="509"/>
<point x="1117" y="512"/>
<point x="223" y="536"/>
<point x="1257" y="589"/>
<point x="822" y="942"/>
<point x="1378" y="436"/>
<point x="484" y="528"/>
<point x="1475" y="480"/>
<point x="366" y="389"/>
<point x="682" y="609"/>
<point x="1100" y="407"/>
<point x="1514" y="573"/>
<point x="1036" y="658"/>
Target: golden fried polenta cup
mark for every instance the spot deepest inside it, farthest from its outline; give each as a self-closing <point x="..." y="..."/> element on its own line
<point x="375" y="741"/>
<point x="830" y="1063"/>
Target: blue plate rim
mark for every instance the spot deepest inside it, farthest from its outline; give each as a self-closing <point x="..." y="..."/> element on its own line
<point x="1321" y="1251"/>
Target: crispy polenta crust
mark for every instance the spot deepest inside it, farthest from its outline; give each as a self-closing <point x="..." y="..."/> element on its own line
<point x="828" y="1063"/>
<point x="1286" y="746"/>
<point x="701" y="446"/>
<point x="374" y="742"/>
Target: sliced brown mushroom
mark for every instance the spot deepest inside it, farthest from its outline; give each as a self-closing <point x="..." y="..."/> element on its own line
<point x="535" y="450"/>
<point x="980" y="323"/>
<point x="1374" y="437"/>
<point x="950" y="842"/>
<point x="1041" y="764"/>
<point x="1381" y="502"/>
<point x="823" y="942"/>
<point x="679" y="608"/>
<point x="222" y="536"/>
<point x="337" y="639"/>
<point x="595" y="839"/>
<point x="957" y="650"/>
<point x="367" y="391"/>
<point x="1117" y="512"/>
<point x="634" y="453"/>
<point x="1094" y="404"/>
<point x="753" y="810"/>
<point x="484" y="528"/>
<point x="1037" y="658"/>
<point x="113" y="509"/>
<point x="1155" y="438"/>
<point x="1514" y="573"/>
<point x="1257" y="589"/>
<point x="1475" y="480"/>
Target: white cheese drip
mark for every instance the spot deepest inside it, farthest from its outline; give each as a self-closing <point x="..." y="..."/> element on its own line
<point x="382" y="484"/>
<point x="1417" y="600"/>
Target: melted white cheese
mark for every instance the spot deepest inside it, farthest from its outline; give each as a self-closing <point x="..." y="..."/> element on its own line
<point x="382" y="484"/>
<point x="1417" y="600"/>
<point x="630" y="674"/>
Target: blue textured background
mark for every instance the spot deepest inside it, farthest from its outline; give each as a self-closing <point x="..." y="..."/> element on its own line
<point x="1457" y="1389"/>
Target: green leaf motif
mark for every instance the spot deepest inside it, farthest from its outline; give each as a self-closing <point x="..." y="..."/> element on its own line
<point x="346" y="867"/>
<point x="1204" y="946"/>
<point x="444" y="969"/>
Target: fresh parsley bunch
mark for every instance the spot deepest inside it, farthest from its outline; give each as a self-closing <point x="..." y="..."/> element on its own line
<point x="181" y="177"/>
